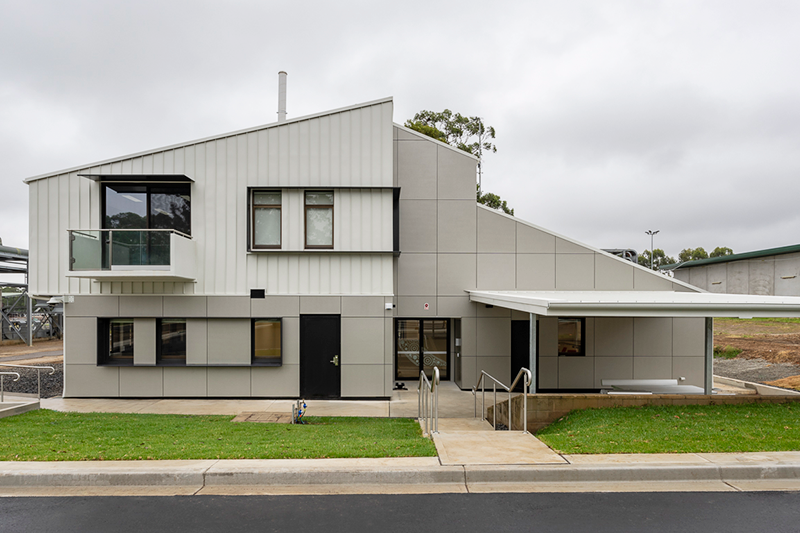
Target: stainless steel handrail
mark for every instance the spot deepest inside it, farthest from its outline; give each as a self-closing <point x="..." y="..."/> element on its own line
<point x="2" y="376"/>
<point x="428" y="401"/>
<point x="38" y="374"/>
<point x="526" y="384"/>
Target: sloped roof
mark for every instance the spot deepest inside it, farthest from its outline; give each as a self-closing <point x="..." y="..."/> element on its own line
<point x="212" y="138"/>
<point x="640" y="303"/>
<point x="735" y="257"/>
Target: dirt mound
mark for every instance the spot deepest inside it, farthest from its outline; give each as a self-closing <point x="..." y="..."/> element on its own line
<point x="775" y="348"/>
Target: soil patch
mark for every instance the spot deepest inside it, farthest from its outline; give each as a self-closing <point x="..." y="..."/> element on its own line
<point x="770" y="351"/>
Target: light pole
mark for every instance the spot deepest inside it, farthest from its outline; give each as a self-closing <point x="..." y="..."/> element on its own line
<point x="652" y="259"/>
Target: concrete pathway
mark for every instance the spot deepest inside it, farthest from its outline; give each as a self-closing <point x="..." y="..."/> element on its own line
<point x="471" y="441"/>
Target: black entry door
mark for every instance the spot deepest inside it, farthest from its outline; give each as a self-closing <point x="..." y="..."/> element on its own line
<point x="520" y="348"/>
<point x="320" y="351"/>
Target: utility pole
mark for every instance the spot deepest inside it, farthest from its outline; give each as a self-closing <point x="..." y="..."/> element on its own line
<point x="652" y="259"/>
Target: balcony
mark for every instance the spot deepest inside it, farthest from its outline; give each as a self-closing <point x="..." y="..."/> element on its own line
<point x="131" y="255"/>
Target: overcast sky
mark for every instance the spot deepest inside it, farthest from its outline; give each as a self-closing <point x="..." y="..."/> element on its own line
<point x="612" y="118"/>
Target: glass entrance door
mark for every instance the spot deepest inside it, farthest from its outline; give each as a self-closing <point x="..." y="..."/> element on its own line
<point x="421" y="345"/>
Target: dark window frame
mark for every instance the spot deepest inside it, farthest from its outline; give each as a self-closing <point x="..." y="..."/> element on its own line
<point x="104" y="357"/>
<point x="582" y="348"/>
<point x="444" y="374"/>
<point x="253" y="206"/>
<point x="255" y="361"/>
<point x="169" y="360"/>
<point x="306" y="207"/>
<point x="148" y="191"/>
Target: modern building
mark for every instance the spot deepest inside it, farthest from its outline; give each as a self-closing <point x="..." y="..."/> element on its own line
<point x="330" y="256"/>
<point x="774" y="271"/>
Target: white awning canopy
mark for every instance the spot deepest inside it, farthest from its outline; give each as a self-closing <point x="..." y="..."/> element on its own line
<point x="640" y="303"/>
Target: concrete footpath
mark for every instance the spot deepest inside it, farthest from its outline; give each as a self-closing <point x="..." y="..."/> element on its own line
<point x="472" y="457"/>
<point x="597" y="473"/>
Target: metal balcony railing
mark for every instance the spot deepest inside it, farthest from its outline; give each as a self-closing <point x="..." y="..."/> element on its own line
<point x="122" y="249"/>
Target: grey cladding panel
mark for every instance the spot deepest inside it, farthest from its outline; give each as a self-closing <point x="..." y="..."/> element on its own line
<point x="533" y="241"/>
<point x="418" y="225"/>
<point x="536" y="271"/>
<point x="612" y="275"/>
<point x="141" y="306"/>
<point x="229" y="342"/>
<point x="416" y="274"/>
<point x="275" y="306"/>
<point x="93" y="306"/>
<point x="416" y="169"/>
<point x="456" y="175"/>
<point x="457" y="225"/>
<point x="80" y="340"/>
<point x="184" y="306"/>
<point x="456" y="273"/>
<point x="574" y="271"/>
<point x="496" y="233"/>
<point x="229" y="306"/>
<point x="497" y="271"/>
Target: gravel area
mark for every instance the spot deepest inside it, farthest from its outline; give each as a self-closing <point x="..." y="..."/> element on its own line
<point x="51" y="385"/>
<point x="754" y="370"/>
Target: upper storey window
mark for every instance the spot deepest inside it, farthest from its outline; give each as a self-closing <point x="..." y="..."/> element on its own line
<point x="319" y="219"/>
<point x="134" y="206"/>
<point x="266" y="219"/>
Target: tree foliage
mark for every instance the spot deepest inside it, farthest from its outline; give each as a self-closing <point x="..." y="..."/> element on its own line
<point x="660" y="258"/>
<point x="692" y="254"/>
<point x="720" y="251"/>
<point x="492" y="200"/>
<point x="465" y="133"/>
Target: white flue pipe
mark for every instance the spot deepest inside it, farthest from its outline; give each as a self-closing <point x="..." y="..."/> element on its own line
<point x="281" y="96"/>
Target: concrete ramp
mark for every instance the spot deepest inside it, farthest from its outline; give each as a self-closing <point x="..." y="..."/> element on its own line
<point x="471" y="441"/>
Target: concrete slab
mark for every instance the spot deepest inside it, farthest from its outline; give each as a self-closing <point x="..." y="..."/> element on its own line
<point x="453" y="402"/>
<point x="493" y="448"/>
<point x="102" y="490"/>
<point x="17" y="408"/>
<point x="332" y="472"/>
<point x="752" y="485"/>
<point x="455" y="425"/>
<point x="364" y="488"/>
<point x="752" y="458"/>
<point x="103" y="473"/>
<point x="636" y="458"/>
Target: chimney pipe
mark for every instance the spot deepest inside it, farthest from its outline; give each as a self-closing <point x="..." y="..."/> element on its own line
<point x="281" y="96"/>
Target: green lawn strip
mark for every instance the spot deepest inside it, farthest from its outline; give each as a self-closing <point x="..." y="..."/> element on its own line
<point x="677" y="429"/>
<point x="53" y="436"/>
<point x="785" y="320"/>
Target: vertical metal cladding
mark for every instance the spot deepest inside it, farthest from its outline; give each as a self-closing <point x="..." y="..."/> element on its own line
<point x="351" y="147"/>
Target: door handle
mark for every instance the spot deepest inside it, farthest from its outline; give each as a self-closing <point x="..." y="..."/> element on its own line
<point x="335" y="360"/>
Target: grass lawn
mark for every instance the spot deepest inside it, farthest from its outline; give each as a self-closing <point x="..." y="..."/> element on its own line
<point x="677" y="429"/>
<point x="53" y="436"/>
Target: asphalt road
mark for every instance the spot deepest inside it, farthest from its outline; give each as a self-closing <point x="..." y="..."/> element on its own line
<point x="442" y="513"/>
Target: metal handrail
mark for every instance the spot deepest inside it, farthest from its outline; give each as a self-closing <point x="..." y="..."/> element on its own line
<point x="153" y="230"/>
<point x="526" y="383"/>
<point x="38" y="375"/>
<point x="2" y="376"/>
<point x="428" y="401"/>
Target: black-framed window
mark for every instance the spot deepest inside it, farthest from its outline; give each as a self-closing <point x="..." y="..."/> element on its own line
<point x="171" y="341"/>
<point x="572" y="336"/>
<point x="267" y="342"/>
<point x="420" y="345"/>
<point x="147" y="206"/>
<point x="115" y="341"/>
<point x="319" y="219"/>
<point x="266" y="219"/>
